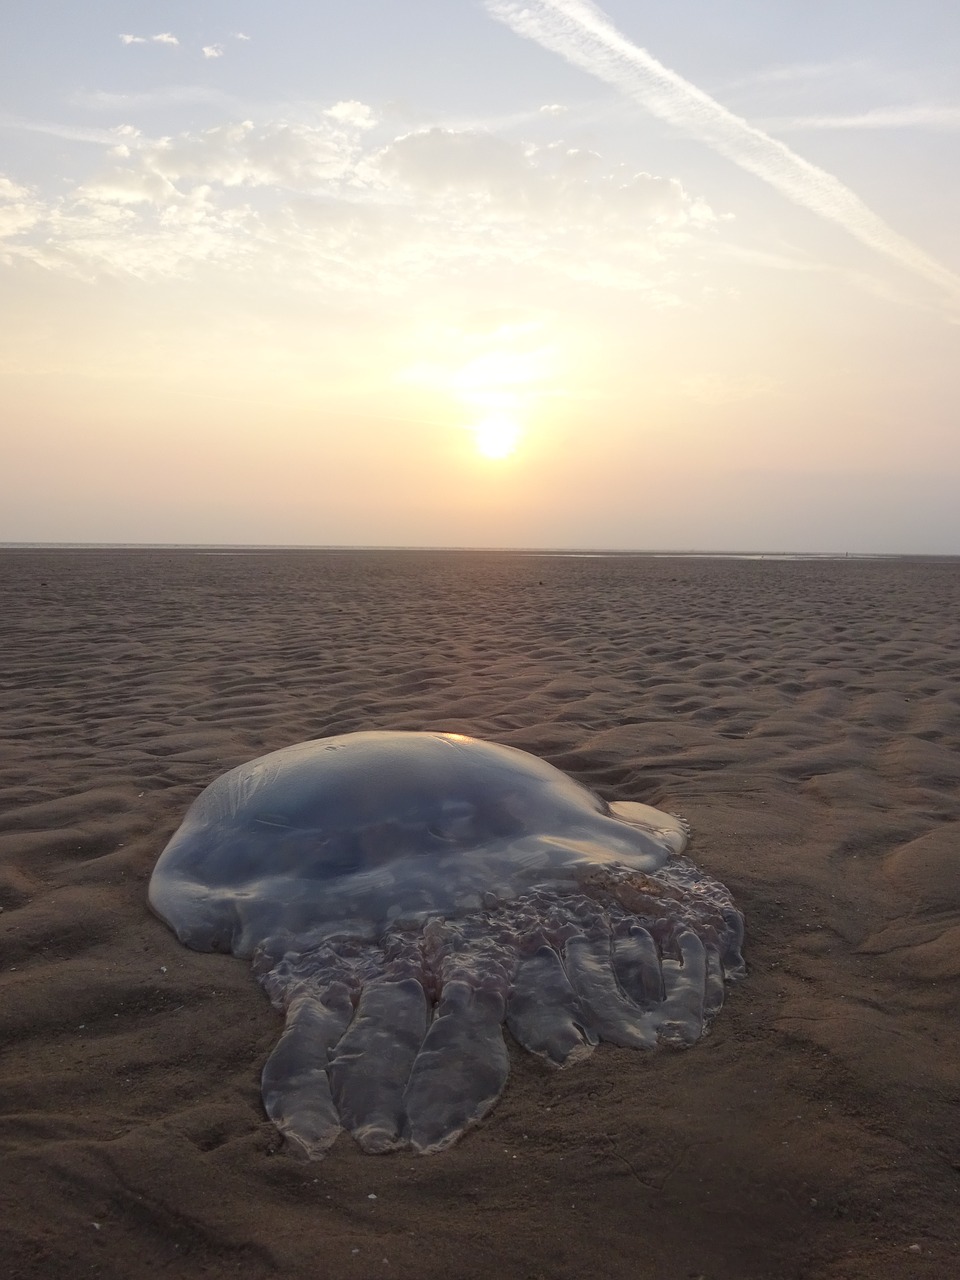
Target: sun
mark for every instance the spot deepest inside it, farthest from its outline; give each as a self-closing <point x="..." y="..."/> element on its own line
<point x="496" y="436"/>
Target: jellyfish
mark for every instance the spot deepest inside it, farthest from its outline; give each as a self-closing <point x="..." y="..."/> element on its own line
<point x="404" y="897"/>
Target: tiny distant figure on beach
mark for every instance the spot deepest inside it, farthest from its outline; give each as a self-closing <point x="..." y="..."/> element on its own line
<point x="405" y="895"/>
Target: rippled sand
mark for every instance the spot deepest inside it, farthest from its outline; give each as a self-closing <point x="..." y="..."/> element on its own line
<point x="804" y="716"/>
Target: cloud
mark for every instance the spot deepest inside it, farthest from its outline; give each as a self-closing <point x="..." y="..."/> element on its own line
<point x="843" y="70"/>
<point x="921" y="116"/>
<point x="563" y="187"/>
<point x="354" y="113"/>
<point x="239" y="35"/>
<point x="579" y="32"/>
<point x="125" y="186"/>
<point x="442" y="160"/>
<point x="163" y="37"/>
<point x="19" y="208"/>
<point x="168" y="96"/>
<point x="213" y="50"/>
<point x="69" y="132"/>
<point x="280" y="153"/>
<point x="334" y="204"/>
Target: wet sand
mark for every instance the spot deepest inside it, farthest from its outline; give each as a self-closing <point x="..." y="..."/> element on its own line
<point x="804" y="717"/>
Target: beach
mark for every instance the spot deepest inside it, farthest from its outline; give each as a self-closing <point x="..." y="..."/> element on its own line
<point x="802" y="715"/>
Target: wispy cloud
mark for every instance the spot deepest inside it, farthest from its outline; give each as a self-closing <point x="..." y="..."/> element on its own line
<point x="128" y="39"/>
<point x="802" y="73"/>
<point x="213" y="50"/>
<point x="69" y="132"/>
<point x="19" y="208"/>
<point x="579" y="32"/>
<point x="920" y="116"/>
<point x="175" y="95"/>
<point x="165" y="37"/>
<point x="240" y="35"/>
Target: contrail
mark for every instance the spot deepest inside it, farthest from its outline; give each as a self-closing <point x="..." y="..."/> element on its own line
<point x="578" y="31"/>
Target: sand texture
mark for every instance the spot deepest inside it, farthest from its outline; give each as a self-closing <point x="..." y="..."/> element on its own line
<point x="805" y="718"/>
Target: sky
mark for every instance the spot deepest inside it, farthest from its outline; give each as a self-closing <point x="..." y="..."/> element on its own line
<point x="482" y="273"/>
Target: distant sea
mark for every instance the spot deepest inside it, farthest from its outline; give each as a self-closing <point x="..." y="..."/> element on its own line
<point x="240" y="549"/>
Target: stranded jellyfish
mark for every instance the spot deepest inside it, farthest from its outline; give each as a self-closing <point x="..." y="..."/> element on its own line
<point x="405" y="895"/>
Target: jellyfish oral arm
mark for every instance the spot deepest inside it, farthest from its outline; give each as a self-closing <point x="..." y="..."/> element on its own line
<point x="295" y="1084"/>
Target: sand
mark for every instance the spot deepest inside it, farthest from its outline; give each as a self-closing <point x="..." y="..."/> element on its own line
<point x="805" y="718"/>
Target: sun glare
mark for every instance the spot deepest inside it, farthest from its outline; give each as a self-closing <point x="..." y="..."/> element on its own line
<point x="496" y="436"/>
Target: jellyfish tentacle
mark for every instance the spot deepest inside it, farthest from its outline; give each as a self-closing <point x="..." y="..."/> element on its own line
<point x="544" y="1013"/>
<point x="461" y="1068"/>
<point x="588" y="963"/>
<point x="636" y="963"/>
<point x="714" y="989"/>
<point x="681" y="1017"/>
<point x="294" y="1083"/>
<point x="734" y="965"/>
<point x="371" y="1064"/>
